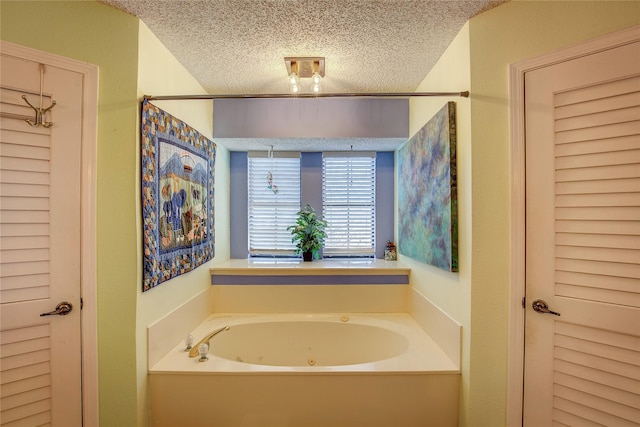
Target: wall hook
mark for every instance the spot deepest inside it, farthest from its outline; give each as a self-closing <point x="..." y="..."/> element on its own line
<point x="40" y="112"/>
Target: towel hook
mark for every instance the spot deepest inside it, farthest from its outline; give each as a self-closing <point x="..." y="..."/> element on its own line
<point x="40" y="113"/>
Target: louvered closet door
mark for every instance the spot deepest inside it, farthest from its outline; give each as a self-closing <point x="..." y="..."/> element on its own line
<point x="40" y="360"/>
<point x="582" y="368"/>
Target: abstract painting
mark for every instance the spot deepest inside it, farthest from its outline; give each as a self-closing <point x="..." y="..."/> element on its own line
<point x="178" y="168"/>
<point x="427" y="193"/>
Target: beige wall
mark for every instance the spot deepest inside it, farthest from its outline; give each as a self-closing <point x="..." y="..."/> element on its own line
<point x="478" y="296"/>
<point x="450" y="291"/>
<point x="159" y="73"/>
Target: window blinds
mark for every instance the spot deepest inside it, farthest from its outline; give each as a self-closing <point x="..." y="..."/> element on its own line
<point x="274" y="200"/>
<point x="348" y="203"/>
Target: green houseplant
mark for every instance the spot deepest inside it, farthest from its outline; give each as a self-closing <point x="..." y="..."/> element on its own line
<point x="308" y="233"/>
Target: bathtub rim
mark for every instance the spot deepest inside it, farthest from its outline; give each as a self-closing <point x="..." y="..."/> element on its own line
<point x="411" y="362"/>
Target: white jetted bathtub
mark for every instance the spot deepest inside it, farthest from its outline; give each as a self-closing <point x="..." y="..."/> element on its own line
<point x="326" y="370"/>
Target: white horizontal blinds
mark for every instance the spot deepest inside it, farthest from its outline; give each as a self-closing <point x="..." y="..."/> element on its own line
<point x="274" y="200"/>
<point x="597" y="251"/>
<point x="349" y="203"/>
<point x="25" y="380"/>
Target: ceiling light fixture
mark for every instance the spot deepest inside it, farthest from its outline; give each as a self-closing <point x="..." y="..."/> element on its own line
<point x="304" y="67"/>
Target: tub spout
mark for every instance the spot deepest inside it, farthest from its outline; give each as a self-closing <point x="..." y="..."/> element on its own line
<point x="205" y="340"/>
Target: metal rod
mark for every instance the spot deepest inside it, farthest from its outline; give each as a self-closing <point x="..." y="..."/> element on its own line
<point x="464" y="94"/>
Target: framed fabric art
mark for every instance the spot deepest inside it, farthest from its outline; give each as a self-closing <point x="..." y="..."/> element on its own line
<point x="427" y="193"/>
<point x="178" y="168"/>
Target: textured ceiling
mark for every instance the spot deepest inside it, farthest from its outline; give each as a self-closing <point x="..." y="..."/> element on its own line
<point x="239" y="46"/>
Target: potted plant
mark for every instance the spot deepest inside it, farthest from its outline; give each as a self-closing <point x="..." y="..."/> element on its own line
<point x="308" y="233"/>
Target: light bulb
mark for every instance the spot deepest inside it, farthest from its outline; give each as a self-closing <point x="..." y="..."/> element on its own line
<point x="316" y="88"/>
<point x="294" y="82"/>
<point x="316" y="78"/>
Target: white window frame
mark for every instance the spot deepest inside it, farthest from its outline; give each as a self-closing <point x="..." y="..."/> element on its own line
<point x="349" y="206"/>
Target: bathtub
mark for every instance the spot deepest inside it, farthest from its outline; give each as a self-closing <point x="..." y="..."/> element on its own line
<point x="307" y="370"/>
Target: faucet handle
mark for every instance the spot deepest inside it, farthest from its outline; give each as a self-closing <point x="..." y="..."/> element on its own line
<point x="188" y="342"/>
<point x="203" y="349"/>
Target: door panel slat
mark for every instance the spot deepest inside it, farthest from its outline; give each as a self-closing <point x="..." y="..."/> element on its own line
<point x="42" y="419"/>
<point x="599" y="132"/>
<point x="26" y="410"/>
<point x="628" y="199"/>
<point x="598" y="240"/>
<point x="622" y="157"/>
<point x="588" y="346"/>
<point x="25" y="385"/>
<point x="591" y="414"/>
<point x="605" y="378"/>
<point x="599" y="390"/>
<point x="603" y="145"/>
<point x="622" y="284"/>
<point x="598" y="118"/>
<point x="614" y="269"/>
<point x="24" y="255"/>
<point x="24" y="151"/>
<point x="598" y="254"/>
<point x="603" y="227"/>
<point x="26" y="281"/>
<point x="16" y="163"/>
<point x="586" y="107"/>
<point x="27" y="397"/>
<point x="562" y="419"/>
<point x="605" y="90"/>
<point x="25" y="138"/>
<point x="596" y="294"/>
<point x="622" y="213"/>
<point x="23" y="204"/>
<point x="26" y="294"/>
<point x="597" y="173"/>
<point x="604" y="406"/>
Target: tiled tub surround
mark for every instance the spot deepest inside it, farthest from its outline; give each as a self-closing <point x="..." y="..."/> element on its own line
<point x="415" y="382"/>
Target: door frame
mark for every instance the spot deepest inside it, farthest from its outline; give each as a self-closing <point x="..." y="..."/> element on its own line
<point x="88" y="277"/>
<point x="515" y="356"/>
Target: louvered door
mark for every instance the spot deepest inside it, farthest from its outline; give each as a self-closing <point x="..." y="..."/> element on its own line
<point x="582" y="368"/>
<point x="40" y="359"/>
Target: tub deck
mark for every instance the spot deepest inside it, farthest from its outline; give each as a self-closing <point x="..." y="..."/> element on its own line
<point x="423" y="356"/>
<point x="415" y="389"/>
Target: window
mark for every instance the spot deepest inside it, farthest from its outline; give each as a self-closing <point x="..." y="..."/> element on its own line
<point x="273" y="200"/>
<point x="349" y="203"/>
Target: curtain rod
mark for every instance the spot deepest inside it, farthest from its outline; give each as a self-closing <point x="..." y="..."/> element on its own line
<point x="464" y="94"/>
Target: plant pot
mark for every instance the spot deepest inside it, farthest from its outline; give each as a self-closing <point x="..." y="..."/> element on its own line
<point x="307" y="256"/>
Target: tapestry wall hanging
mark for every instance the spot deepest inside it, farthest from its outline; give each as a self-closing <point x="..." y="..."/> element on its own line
<point x="427" y="193"/>
<point x="178" y="166"/>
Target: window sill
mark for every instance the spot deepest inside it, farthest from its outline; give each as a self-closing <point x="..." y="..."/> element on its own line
<point x="290" y="271"/>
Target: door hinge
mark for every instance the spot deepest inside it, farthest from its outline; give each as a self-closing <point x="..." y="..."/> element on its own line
<point x="81" y="303"/>
<point x="524" y="302"/>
